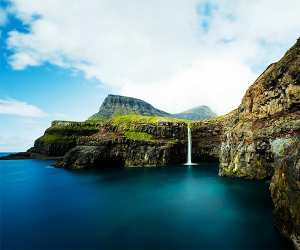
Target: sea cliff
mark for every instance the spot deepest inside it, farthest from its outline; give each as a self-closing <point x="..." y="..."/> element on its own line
<point x="261" y="140"/>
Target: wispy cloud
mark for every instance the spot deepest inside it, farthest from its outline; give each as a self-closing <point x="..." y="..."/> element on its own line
<point x="159" y="47"/>
<point x="19" y="108"/>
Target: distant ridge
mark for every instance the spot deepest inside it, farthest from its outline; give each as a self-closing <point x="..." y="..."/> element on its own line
<point x="197" y="113"/>
<point x="122" y="105"/>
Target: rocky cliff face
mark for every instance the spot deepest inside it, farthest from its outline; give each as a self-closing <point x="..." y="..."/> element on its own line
<point x="285" y="187"/>
<point x="262" y="138"/>
<point x="62" y="136"/>
<point x="269" y="110"/>
<point x="135" y="142"/>
<point x="206" y="139"/>
<point x="122" y="141"/>
<point x="129" y="141"/>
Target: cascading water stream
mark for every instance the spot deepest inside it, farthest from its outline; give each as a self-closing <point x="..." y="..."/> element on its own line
<point x="189" y="148"/>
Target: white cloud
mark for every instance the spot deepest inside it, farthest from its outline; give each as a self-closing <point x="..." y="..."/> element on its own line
<point x="18" y="108"/>
<point x="163" y="51"/>
<point x="208" y="81"/>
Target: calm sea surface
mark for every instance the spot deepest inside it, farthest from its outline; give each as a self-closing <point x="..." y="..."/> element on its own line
<point x="138" y="208"/>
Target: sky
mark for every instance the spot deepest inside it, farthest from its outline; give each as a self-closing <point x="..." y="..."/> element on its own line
<point x="60" y="58"/>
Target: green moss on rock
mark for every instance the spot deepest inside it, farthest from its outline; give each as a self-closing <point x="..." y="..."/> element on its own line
<point x="50" y="139"/>
<point x="139" y="136"/>
<point x="128" y="121"/>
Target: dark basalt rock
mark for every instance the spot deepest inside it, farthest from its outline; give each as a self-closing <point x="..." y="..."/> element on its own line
<point x="206" y="139"/>
<point x="127" y="153"/>
<point x="52" y="149"/>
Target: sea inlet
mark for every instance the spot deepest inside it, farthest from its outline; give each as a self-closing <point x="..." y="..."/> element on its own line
<point x="175" y="207"/>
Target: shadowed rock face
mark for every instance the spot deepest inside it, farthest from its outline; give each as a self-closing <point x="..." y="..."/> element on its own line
<point x="206" y="140"/>
<point x="124" y="153"/>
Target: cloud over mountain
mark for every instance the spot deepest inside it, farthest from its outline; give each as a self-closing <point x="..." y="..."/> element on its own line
<point x="171" y="53"/>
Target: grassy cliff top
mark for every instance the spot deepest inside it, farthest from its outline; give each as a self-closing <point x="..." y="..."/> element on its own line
<point x="138" y="119"/>
<point x="133" y="127"/>
<point x="127" y="121"/>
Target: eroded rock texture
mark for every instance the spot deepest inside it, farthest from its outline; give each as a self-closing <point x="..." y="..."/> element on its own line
<point x="269" y="110"/>
<point x="285" y="187"/>
<point x="267" y="119"/>
<point x="206" y="139"/>
<point x="122" y="141"/>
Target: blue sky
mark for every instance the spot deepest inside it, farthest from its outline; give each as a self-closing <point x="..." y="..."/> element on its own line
<point x="175" y="54"/>
<point x="60" y="93"/>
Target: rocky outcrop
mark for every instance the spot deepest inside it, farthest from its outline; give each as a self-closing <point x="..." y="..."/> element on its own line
<point x="285" y="187"/>
<point x="269" y="110"/>
<point x="61" y="137"/>
<point x="206" y="139"/>
<point x="129" y="141"/>
<point x="121" y="141"/>
<point x="123" y="152"/>
<point x="261" y="140"/>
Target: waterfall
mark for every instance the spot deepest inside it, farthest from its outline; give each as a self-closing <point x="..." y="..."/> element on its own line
<point x="189" y="148"/>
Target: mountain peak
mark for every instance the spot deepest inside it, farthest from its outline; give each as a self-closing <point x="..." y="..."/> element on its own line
<point x="120" y="105"/>
<point x="197" y="113"/>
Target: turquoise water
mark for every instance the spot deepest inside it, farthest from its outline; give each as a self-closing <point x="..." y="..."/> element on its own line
<point x="159" y="208"/>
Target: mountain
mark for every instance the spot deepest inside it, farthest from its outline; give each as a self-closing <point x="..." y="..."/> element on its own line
<point x="122" y="105"/>
<point x="197" y="113"/>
